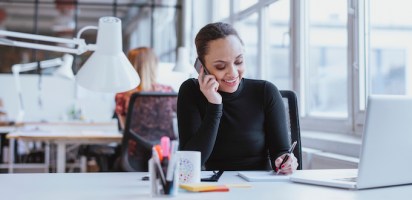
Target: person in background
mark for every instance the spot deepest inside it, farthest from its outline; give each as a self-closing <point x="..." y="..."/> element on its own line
<point x="236" y="123"/>
<point x="145" y="61"/>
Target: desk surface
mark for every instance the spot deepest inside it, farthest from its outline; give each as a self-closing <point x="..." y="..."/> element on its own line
<point x="62" y="134"/>
<point x="119" y="186"/>
<point x="67" y="131"/>
<point x="66" y="135"/>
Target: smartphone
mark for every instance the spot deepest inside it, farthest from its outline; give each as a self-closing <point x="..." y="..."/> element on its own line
<point x="214" y="178"/>
<point x="198" y="65"/>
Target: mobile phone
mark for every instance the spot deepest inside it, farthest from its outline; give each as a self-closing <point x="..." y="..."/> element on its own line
<point x="214" y="178"/>
<point x="198" y="65"/>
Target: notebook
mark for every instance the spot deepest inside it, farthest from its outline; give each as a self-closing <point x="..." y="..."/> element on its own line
<point x="262" y="176"/>
<point x="386" y="146"/>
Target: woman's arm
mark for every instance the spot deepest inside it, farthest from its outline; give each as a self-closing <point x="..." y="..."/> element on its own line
<point x="277" y="136"/>
<point x="197" y="131"/>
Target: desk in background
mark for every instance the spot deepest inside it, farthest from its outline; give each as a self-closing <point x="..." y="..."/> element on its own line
<point x="62" y="134"/>
<point x="4" y="130"/>
<point x="128" y="186"/>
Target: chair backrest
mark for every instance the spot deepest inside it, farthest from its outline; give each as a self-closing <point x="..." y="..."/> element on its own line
<point x="150" y="116"/>
<point x="292" y="114"/>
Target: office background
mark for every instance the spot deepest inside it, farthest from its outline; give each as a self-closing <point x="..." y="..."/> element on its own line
<point x="333" y="53"/>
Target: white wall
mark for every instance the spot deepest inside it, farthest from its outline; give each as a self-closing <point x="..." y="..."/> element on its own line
<point x="55" y="100"/>
<point x="58" y="96"/>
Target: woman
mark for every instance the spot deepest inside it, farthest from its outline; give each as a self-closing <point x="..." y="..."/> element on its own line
<point x="145" y="62"/>
<point x="236" y="123"/>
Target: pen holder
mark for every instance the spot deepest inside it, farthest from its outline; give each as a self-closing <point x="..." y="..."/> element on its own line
<point x="162" y="185"/>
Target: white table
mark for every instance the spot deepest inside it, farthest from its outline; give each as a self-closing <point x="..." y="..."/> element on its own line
<point x="125" y="186"/>
<point x="62" y="135"/>
<point x="3" y="131"/>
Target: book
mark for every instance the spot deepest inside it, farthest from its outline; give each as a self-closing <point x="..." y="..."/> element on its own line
<point x="263" y="176"/>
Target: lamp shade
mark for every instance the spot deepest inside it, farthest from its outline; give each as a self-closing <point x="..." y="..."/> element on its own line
<point x="108" y="69"/>
<point x="65" y="70"/>
<point x="182" y="61"/>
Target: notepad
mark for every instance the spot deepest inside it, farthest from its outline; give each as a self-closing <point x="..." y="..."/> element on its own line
<point x="202" y="187"/>
<point x="263" y="176"/>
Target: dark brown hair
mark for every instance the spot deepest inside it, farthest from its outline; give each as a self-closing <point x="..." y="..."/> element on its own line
<point x="210" y="32"/>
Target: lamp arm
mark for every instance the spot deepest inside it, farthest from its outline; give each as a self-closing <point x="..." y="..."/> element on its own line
<point x="80" y="43"/>
<point x="17" y="68"/>
<point x="20" y="114"/>
<point x="112" y="70"/>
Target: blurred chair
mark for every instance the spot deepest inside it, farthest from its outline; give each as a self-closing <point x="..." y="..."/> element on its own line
<point x="292" y="115"/>
<point x="150" y="116"/>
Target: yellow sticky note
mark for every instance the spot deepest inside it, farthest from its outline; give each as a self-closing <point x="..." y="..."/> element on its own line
<point x="202" y="187"/>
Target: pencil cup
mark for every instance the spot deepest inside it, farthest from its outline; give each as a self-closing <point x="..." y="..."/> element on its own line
<point x="163" y="184"/>
<point x="189" y="166"/>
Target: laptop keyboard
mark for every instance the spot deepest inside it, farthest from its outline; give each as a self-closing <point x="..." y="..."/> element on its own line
<point x="349" y="179"/>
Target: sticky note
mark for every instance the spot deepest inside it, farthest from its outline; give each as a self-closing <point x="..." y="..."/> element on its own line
<point x="201" y="187"/>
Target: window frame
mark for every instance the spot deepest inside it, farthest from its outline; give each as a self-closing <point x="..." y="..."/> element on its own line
<point x="357" y="58"/>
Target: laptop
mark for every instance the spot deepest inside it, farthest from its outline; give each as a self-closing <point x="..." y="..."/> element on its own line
<point x="385" y="154"/>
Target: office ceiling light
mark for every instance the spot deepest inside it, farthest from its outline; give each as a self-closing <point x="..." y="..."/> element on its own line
<point x="65" y="69"/>
<point x="106" y="70"/>
<point x="182" y="61"/>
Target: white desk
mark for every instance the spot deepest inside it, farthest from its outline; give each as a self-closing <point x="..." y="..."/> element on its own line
<point x="62" y="135"/>
<point x="4" y="130"/>
<point x="125" y="186"/>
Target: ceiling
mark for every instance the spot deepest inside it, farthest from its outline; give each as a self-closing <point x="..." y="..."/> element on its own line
<point x="20" y="15"/>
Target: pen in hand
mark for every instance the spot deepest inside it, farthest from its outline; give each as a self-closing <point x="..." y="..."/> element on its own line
<point x="287" y="156"/>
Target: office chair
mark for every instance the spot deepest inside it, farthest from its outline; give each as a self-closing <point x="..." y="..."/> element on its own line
<point x="150" y="116"/>
<point x="292" y="115"/>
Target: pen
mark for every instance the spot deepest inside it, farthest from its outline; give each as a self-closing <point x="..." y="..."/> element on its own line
<point x="172" y="161"/>
<point x="287" y="156"/>
<point x="165" y="145"/>
<point x="171" y="167"/>
<point x="159" y="151"/>
<point x="156" y="161"/>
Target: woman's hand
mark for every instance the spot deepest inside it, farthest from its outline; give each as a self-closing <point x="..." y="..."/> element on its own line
<point x="289" y="166"/>
<point x="209" y="86"/>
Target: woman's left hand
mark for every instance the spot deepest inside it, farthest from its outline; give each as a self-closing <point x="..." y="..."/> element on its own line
<point x="289" y="166"/>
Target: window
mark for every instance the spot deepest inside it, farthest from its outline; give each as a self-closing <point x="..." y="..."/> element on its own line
<point x="276" y="57"/>
<point x="390" y="47"/>
<point x="222" y="9"/>
<point x="248" y="31"/>
<point x="325" y="78"/>
<point x="332" y="53"/>
<point x="244" y="4"/>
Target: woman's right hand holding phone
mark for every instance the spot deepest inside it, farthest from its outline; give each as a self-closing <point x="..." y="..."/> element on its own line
<point x="209" y="86"/>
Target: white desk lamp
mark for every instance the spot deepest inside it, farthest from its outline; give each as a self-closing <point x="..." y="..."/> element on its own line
<point x="107" y="70"/>
<point x="182" y="61"/>
<point x="64" y="70"/>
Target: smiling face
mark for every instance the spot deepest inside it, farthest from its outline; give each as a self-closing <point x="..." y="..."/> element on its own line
<point x="224" y="60"/>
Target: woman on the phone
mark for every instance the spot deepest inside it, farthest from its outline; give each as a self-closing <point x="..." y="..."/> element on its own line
<point x="236" y="123"/>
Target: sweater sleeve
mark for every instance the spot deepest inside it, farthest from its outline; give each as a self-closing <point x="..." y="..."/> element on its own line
<point x="197" y="131"/>
<point x="276" y="129"/>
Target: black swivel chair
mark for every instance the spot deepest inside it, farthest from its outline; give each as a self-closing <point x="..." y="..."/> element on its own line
<point x="292" y="114"/>
<point x="150" y="116"/>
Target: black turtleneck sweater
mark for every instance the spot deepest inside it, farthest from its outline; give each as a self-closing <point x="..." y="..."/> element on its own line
<point x="242" y="133"/>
